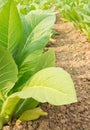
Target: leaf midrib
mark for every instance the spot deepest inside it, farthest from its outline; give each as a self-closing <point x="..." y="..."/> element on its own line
<point x="26" y="43"/>
<point x="9" y="23"/>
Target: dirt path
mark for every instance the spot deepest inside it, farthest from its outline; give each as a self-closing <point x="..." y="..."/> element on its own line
<point x="73" y="54"/>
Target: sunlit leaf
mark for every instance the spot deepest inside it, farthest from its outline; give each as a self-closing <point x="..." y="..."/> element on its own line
<point x="32" y="114"/>
<point x="8" y="71"/>
<point x="53" y="85"/>
<point x="10" y="26"/>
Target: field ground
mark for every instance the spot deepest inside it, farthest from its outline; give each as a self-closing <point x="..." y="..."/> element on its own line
<point x="73" y="54"/>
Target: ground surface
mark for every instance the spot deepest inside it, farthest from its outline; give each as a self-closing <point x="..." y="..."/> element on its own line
<point x="73" y="54"/>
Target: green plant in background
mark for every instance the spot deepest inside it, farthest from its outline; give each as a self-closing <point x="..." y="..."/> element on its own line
<point x="26" y="6"/>
<point x="77" y="12"/>
<point x="27" y="73"/>
<point x="85" y="14"/>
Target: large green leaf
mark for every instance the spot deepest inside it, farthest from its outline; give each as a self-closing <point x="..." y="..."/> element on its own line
<point x="38" y="60"/>
<point x="10" y="26"/>
<point x="53" y="85"/>
<point x="34" y="63"/>
<point x="8" y="72"/>
<point x="37" y="28"/>
<point x="39" y="44"/>
<point x="36" y="19"/>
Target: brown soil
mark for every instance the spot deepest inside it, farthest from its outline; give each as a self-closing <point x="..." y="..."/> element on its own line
<point x="73" y="54"/>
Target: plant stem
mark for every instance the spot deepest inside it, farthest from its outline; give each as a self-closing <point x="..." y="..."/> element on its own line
<point x="1" y="125"/>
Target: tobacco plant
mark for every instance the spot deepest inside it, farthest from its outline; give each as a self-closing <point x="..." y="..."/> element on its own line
<point x="27" y="73"/>
<point x="77" y="12"/>
<point x="26" y="6"/>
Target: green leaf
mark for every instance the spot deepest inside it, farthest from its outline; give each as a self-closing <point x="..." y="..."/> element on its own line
<point x="38" y="60"/>
<point x="32" y="114"/>
<point x="25" y="104"/>
<point x="10" y="27"/>
<point x="34" y="63"/>
<point x="46" y="60"/>
<point x="53" y="85"/>
<point x="8" y="72"/>
<point x="39" y="44"/>
<point x="8" y="108"/>
<point x="36" y="19"/>
<point x="2" y="2"/>
<point x="37" y="28"/>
